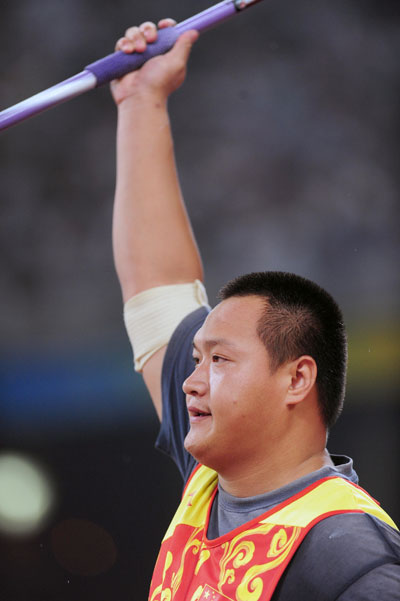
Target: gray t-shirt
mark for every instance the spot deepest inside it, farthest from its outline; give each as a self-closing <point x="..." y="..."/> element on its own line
<point x="230" y="512"/>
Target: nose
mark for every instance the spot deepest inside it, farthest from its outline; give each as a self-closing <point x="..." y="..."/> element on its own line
<point x="196" y="384"/>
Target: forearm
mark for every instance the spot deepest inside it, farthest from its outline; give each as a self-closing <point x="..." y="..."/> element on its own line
<point x="152" y="237"/>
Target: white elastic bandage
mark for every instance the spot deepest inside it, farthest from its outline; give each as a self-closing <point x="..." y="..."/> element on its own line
<point x="152" y="316"/>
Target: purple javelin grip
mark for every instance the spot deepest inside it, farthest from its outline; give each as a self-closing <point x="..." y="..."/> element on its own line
<point x="118" y="64"/>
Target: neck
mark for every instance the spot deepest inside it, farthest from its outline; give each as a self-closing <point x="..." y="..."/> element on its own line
<point x="266" y="478"/>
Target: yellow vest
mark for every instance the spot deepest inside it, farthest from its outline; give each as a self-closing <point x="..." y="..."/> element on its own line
<point x="246" y="563"/>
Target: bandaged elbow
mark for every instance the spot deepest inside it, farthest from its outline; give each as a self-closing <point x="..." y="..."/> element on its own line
<point x="152" y="316"/>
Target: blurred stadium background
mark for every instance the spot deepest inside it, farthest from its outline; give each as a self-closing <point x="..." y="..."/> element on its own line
<point x="287" y="142"/>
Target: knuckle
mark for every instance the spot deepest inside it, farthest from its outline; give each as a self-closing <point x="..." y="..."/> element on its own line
<point x="132" y="32"/>
<point x="168" y="22"/>
<point x="147" y="25"/>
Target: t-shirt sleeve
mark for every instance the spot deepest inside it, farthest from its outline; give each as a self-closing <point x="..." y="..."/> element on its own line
<point x="345" y="557"/>
<point x="178" y="365"/>
<point x="382" y="582"/>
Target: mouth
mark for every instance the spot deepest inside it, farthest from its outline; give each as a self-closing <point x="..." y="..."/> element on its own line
<point x="196" y="415"/>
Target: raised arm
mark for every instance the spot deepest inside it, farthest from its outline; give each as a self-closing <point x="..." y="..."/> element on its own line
<point x="152" y="237"/>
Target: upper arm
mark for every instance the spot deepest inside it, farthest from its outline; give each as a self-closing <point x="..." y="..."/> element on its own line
<point x="177" y="364"/>
<point x="381" y="583"/>
<point x="335" y="559"/>
<point x="151" y="318"/>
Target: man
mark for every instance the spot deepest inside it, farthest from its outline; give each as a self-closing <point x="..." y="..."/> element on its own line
<point x="266" y="512"/>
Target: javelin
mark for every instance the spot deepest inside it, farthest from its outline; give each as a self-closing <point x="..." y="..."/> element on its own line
<point x="117" y="64"/>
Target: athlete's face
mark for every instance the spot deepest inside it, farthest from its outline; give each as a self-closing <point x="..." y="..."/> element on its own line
<point x="236" y="406"/>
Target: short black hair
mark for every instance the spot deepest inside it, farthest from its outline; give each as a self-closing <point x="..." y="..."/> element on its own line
<point x="300" y="318"/>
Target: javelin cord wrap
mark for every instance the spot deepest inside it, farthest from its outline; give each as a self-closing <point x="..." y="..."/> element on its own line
<point x="118" y="64"/>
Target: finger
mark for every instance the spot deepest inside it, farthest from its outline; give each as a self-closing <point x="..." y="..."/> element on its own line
<point x="163" y="23"/>
<point x="149" y="31"/>
<point x="119" y="44"/>
<point x="132" y="32"/>
<point x="128" y="46"/>
<point x="134" y="40"/>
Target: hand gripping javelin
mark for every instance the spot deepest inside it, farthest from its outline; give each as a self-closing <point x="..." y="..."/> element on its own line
<point x="118" y="64"/>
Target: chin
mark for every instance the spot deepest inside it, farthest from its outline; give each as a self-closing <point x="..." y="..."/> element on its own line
<point x="190" y="445"/>
<point x="202" y="453"/>
<point x="198" y="449"/>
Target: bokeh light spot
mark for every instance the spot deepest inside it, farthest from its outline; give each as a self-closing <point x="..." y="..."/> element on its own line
<point x="26" y="495"/>
<point x="83" y="547"/>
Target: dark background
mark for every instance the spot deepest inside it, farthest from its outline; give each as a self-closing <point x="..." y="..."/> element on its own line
<point x="287" y="143"/>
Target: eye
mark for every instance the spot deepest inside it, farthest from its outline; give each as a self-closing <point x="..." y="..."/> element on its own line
<point x="196" y="360"/>
<point x="216" y="359"/>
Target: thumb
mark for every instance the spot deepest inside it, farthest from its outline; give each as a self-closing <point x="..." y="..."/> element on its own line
<point x="184" y="44"/>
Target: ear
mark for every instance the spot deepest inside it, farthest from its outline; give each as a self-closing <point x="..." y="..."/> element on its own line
<point x="303" y="375"/>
